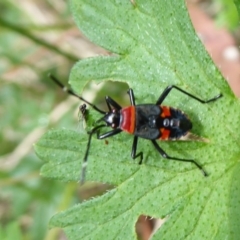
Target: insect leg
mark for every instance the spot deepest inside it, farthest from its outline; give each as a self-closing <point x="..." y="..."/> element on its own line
<point x="169" y="88"/>
<point x="165" y="155"/>
<point x="110" y="102"/>
<point x="132" y="97"/>
<point x="135" y="139"/>
<point x="134" y="150"/>
<point x="84" y="164"/>
<point x="93" y="131"/>
<point x="108" y="134"/>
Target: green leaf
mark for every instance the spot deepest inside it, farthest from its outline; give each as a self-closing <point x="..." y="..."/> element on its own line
<point x="11" y="231"/>
<point x="227" y="16"/>
<point x="237" y="3"/>
<point x="155" y="46"/>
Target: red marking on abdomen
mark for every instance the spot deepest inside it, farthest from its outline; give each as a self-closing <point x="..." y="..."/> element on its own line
<point x="128" y="116"/>
<point x="165" y="111"/>
<point x="164" y="134"/>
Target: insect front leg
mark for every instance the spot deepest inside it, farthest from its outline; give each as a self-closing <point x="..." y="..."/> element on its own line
<point x="131" y="96"/>
<point x="84" y="163"/>
<point x="102" y="136"/>
<point x="110" y="102"/>
<point x="108" y="134"/>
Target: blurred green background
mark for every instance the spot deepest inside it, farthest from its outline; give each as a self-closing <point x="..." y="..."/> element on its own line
<point x="38" y="37"/>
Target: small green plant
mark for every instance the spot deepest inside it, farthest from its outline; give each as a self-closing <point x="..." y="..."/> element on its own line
<point x="226" y="15"/>
<point x="154" y="45"/>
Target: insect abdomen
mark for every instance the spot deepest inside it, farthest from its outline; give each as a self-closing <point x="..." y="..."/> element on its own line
<point x="175" y="123"/>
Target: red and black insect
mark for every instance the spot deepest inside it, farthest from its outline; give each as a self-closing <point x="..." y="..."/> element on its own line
<point x="148" y="121"/>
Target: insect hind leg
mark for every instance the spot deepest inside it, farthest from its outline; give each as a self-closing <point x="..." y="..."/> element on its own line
<point x="169" y="88"/>
<point x="165" y="155"/>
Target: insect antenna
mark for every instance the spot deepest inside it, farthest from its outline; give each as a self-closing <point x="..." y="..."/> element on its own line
<point x="83" y="111"/>
<point x="71" y="92"/>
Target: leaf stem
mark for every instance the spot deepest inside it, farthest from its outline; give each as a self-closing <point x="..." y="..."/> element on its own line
<point x="22" y="31"/>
